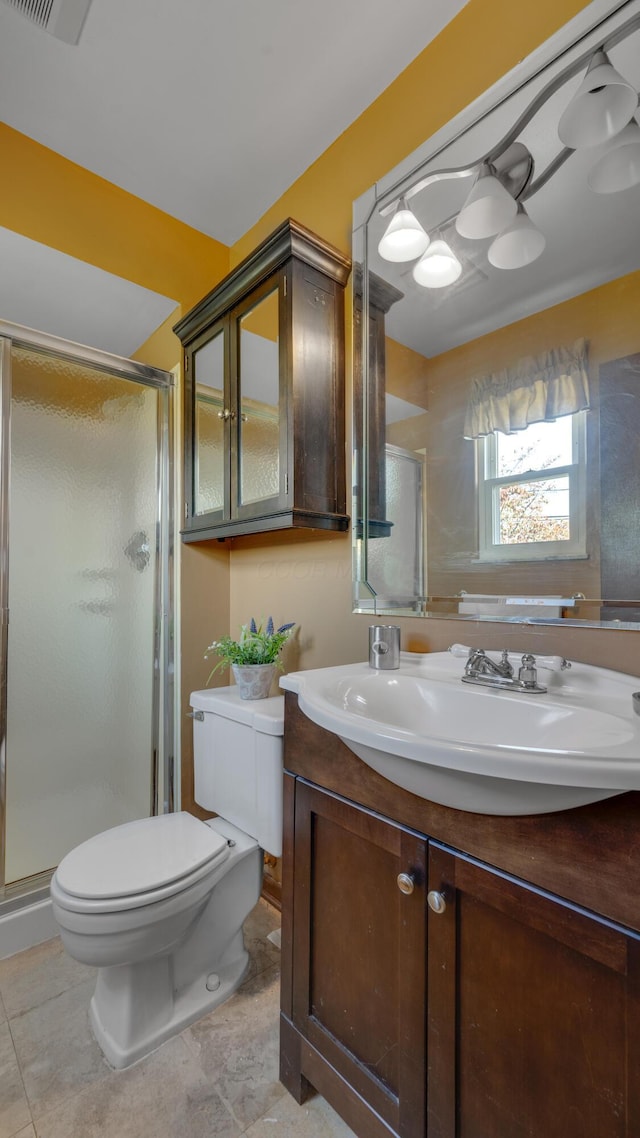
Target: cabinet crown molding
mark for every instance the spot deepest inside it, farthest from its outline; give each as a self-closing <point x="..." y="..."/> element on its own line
<point x="290" y="239"/>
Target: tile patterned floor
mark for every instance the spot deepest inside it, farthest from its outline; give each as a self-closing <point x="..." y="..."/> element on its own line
<point x="218" y="1079"/>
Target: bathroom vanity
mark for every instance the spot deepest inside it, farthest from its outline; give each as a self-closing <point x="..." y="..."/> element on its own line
<point x="456" y="975"/>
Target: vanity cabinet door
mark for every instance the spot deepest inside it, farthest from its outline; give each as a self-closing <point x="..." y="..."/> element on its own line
<point x="533" y="1021"/>
<point x="358" y="953"/>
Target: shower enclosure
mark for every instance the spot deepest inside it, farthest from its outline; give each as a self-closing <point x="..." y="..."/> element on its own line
<point x="86" y="699"/>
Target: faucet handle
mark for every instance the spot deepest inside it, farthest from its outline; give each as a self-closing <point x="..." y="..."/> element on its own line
<point x="528" y="673"/>
<point x="553" y="663"/>
<point x="461" y="650"/>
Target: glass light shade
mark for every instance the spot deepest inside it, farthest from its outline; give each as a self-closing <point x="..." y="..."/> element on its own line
<point x="488" y="208"/>
<point x="404" y="239"/>
<point x="601" y="107"/>
<point x="518" y="245"/>
<point x="619" y="168"/>
<point x="439" y="266"/>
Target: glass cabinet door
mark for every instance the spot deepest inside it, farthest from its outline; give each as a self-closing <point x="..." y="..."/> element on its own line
<point x="259" y="459"/>
<point x="210" y="417"/>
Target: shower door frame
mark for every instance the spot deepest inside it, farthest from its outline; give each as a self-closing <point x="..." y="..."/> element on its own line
<point x="36" y="888"/>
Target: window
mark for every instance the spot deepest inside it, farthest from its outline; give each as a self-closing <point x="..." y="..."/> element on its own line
<point x="532" y="497"/>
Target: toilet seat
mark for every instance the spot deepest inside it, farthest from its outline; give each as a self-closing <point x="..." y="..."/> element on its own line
<point x="138" y="864"/>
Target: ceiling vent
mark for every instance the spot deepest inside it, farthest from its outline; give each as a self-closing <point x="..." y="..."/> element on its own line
<point x="61" y="18"/>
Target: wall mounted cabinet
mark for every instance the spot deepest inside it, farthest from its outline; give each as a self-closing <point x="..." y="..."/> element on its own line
<point x="264" y="393"/>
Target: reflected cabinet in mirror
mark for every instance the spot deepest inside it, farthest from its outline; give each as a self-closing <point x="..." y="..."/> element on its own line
<point x="264" y="393"/>
<point x="497" y="360"/>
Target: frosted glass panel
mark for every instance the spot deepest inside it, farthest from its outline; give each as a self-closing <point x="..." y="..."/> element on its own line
<point x="81" y="598"/>
<point x="209" y="456"/>
<point x="259" y="451"/>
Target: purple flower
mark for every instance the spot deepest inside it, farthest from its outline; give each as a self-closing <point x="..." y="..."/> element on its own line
<point x="286" y="627"/>
<point x="252" y="626"/>
<point x="270" y="626"/>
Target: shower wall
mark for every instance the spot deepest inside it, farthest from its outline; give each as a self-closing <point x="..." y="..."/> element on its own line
<point x="84" y="525"/>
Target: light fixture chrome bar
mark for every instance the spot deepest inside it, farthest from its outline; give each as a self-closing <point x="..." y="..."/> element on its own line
<point x="546" y="175"/>
<point x="514" y="168"/>
<point x="407" y="187"/>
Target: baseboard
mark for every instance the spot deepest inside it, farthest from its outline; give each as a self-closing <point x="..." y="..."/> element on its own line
<point x="22" y="928"/>
<point x="272" y="892"/>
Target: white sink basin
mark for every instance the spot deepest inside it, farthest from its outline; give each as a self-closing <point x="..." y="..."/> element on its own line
<point x="478" y="749"/>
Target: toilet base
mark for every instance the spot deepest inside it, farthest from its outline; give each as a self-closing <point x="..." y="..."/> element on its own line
<point x="189" y="1005"/>
<point x="138" y="1005"/>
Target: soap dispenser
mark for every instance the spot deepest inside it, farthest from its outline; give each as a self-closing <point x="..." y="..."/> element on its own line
<point x="384" y="646"/>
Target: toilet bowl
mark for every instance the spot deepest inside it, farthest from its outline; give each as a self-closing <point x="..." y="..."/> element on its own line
<point x="158" y="905"/>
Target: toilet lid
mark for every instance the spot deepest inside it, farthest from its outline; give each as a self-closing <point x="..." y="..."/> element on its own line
<point x="140" y="856"/>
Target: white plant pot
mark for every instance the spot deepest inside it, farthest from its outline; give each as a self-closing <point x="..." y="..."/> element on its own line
<point x="254" y="680"/>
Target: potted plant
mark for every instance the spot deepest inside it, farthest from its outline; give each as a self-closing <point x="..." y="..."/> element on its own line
<point x="253" y="657"/>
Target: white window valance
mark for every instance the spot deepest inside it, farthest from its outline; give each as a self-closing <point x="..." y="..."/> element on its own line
<point x="534" y="389"/>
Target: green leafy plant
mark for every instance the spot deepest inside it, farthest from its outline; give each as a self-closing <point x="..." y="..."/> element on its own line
<point x="257" y="644"/>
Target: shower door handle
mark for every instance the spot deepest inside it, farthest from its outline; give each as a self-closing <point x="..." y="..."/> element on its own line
<point x="137" y="550"/>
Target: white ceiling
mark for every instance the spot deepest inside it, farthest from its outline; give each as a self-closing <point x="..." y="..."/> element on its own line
<point x="208" y="109"/>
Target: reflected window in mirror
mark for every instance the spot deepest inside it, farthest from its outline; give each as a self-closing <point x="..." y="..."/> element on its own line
<point x="532" y="491"/>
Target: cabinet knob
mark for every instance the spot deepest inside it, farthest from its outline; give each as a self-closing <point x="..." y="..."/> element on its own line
<point x="436" y="901"/>
<point x="405" y="883"/>
<point x="224" y="415"/>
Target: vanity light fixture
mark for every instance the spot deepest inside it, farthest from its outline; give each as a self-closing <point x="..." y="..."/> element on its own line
<point x="619" y="168"/>
<point x="520" y="244"/>
<point x="602" y="111"/>
<point x="404" y="239"/>
<point x="438" y="267"/>
<point x="600" y="108"/>
<point x="488" y="208"/>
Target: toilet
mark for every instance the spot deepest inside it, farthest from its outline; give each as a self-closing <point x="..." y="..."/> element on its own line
<point x="158" y="905"/>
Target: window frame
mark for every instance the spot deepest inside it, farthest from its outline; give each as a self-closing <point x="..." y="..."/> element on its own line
<point x="488" y="486"/>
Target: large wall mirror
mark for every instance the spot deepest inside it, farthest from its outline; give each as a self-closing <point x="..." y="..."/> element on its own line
<point x="497" y="361"/>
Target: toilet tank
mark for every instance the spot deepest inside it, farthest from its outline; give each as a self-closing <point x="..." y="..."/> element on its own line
<point x="237" y="756"/>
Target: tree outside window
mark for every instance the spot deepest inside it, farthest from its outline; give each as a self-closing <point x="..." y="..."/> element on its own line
<point x="531" y="491"/>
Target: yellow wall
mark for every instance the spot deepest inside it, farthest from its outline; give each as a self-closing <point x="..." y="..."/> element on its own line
<point x="49" y="199"/>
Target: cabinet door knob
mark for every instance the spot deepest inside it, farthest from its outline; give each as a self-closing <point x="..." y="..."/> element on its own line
<point x="436" y="901"/>
<point x="224" y="415"/>
<point x="405" y="883"/>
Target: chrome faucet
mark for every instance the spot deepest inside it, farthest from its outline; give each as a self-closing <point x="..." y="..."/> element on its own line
<point x="481" y="669"/>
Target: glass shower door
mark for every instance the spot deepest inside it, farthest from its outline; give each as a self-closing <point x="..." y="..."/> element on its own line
<point x="84" y="529"/>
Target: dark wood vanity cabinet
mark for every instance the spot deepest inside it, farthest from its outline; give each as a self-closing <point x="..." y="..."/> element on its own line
<point x="476" y="1004"/>
<point x="532" y="1012"/>
<point x="264" y="408"/>
<point x="359" y="992"/>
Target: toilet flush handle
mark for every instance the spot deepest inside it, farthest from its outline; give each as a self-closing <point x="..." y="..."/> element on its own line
<point x="199" y="715"/>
